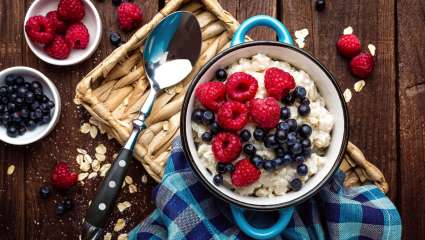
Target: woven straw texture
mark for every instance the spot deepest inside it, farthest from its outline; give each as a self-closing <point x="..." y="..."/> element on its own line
<point x="114" y="91"/>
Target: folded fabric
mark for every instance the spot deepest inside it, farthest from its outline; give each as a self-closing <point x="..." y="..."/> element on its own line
<point x="186" y="210"/>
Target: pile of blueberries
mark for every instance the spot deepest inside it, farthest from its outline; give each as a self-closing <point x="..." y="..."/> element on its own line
<point x="23" y="105"/>
<point x="67" y="204"/>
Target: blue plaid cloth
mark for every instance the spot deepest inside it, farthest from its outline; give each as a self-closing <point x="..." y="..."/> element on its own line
<point x="186" y="210"/>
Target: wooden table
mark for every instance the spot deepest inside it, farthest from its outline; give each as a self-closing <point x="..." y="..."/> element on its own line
<point x="387" y="118"/>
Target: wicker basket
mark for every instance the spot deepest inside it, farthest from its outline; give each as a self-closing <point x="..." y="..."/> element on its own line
<point x="114" y="91"/>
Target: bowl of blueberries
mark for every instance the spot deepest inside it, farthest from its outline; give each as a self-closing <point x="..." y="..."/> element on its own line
<point x="29" y="105"/>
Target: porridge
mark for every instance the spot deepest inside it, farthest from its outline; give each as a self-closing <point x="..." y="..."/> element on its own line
<point x="261" y="128"/>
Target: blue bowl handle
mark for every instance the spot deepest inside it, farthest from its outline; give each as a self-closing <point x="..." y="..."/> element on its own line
<point x="283" y="34"/>
<point x="285" y="215"/>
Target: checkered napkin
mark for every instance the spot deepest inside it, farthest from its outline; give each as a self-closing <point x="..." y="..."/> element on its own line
<point x="186" y="210"/>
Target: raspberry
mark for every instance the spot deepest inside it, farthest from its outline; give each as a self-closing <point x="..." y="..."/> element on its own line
<point x="348" y="45"/>
<point x="278" y="83"/>
<point x="211" y="94"/>
<point x="129" y="16"/>
<point x="362" y="65"/>
<point x="241" y="86"/>
<point x="62" y="177"/>
<point x="265" y="112"/>
<point x="226" y="147"/>
<point x="71" y="10"/>
<point x="245" y="173"/>
<point x="59" y="25"/>
<point x="77" y="36"/>
<point x="58" y="48"/>
<point x="39" y="29"/>
<point x="232" y="115"/>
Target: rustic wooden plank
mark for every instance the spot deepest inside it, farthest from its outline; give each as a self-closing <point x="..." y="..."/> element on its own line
<point x="372" y="111"/>
<point x="61" y="144"/>
<point x="12" y="188"/>
<point x="411" y="71"/>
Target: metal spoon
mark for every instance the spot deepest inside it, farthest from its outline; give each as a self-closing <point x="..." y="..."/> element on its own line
<point x="170" y="52"/>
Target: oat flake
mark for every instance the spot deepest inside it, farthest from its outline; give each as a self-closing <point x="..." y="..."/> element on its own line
<point x="85" y="166"/>
<point x="82" y="176"/>
<point x="88" y="159"/>
<point x="95" y="165"/>
<point x="128" y="180"/>
<point x="92" y="175"/>
<point x="144" y="178"/>
<point x="119" y="225"/>
<point x="104" y="169"/>
<point x="80" y="159"/>
<point x="10" y="170"/>
<point x="85" y="128"/>
<point x="93" y="132"/>
<point x="348" y="30"/>
<point x="100" y="157"/>
<point x="132" y="188"/>
<point x="302" y="33"/>
<point x="347" y="95"/>
<point x="81" y="151"/>
<point x="100" y="149"/>
<point x="108" y="236"/>
<point x="300" y="42"/>
<point x="123" y="205"/>
<point x="359" y="85"/>
<point x="372" y="49"/>
<point x="122" y="236"/>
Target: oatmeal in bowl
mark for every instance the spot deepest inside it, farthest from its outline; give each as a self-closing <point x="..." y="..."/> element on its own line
<point x="261" y="127"/>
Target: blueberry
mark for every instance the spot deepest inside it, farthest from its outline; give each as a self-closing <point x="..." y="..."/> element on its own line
<point x="258" y="161"/>
<point x="12" y="131"/>
<point x="10" y="79"/>
<point x="5" y="119"/>
<point x="60" y="209"/>
<point x="221" y="168"/>
<point x="208" y="117"/>
<point x="284" y="126"/>
<point x="218" y="179"/>
<point x="45" y="119"/>
<point x="11" y="107"/>
<point x="38" y="113"/>
<point x="280" y="136"/>
<point x="299" y="159"/>
<point x="296" y="184"/>
<point x="245" y="135"/>
<point x="10" y="89"/>
<point x="305" y="101"/>
<point x="214" y="128"/>
<point x="206" y="137"/>
<point x="300" y="93"/>
<point x="19" y="80"/>
<point x="35" y="105"/>
<point x="12" y="97"/>
<point x="21" y="91"/>
<point x="297" y="148"/>
<point x="287" y="158"/>
<point x="30" y="125"/>
<point x="44" y="108"/>
<point x="259" y="134"/>
<point x="302" y="169"/>
<point x="4" y="100"/>
<point x="221" y="74"/>
<point x="291" y="139"/>
<point x="303" y="109"/>
<point x="15" y="117"/>
<point x="285" y="113"/>
<point x="29" y="97"/>
<point x="292" y="124"/>
<point x="278" y="161"/>
<point x="230" y="168"/>
<point x="115" y="39"/>
<point x="279" y="152"/>
<point x="249" y="149"/>
<point x="270" y="141"/>
<point x="306" y="143"/>
<point x="307" y="152"/>
<point x="197" y="115"/>
<point x="67" y="203"/>
<point x="50" y="104"/>
<point x="27" y="85"/>
<point x="44" y="99"/>
<point x="305" y="130"/>
<point x="320" y="5"/>
<point x="2" y="108"/>
<point x="289" y="99"/>
<point x="269" y="165"/>
<point x="3" y="90"/>
<point x="22" y="130"/>
<point x="116" y="2"/>
<point x="44" y="192"/>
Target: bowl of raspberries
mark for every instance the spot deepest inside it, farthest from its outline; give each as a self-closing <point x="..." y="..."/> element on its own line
<point x="63" y="32"/>
<point x="264" y="125"/>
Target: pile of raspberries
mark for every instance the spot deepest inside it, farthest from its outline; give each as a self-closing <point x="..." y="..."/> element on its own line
<point x="60" y="30"/>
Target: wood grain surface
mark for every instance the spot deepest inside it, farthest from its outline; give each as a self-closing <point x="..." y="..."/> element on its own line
<point x="386" y="119"/>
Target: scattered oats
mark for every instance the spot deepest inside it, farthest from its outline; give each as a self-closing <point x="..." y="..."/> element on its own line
<point x="348" y="30"/>
<point x="100" y="157"/>
<point x="10" y="170"/>
<point x="123" y="205"/>
<point x="101" y="149"/>
<point x="82" y="151"/>
<point x="92" y="175"/>
<point x="95" y="165"/>
<point x="80" y="159"/>
<point x="122" y="236"/>
<point x="82" y="176"/>
<point x="359" y="85"/>
<point x="104" y="169"/>
<point x="85" y="128"/>
<point x="115" y="155"/>
<point x="119" y="225"/>
<point x="372" y="49"/>
<point x="128" y="180"/>
<point x="300" y="42"/>
<point x="347" y="95"/>
<point x="108" y="236"/>
<point x="85" y="166"/>
<point x="132" y="188"/>
<point x="87" y="158"/>
<point x="93" y="132"/>
<point x="144" y="178"/>
<point x="302" y="33"/>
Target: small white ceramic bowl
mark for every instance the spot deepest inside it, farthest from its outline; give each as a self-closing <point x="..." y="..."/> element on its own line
<point x="49" y="89"/>
<point x="91" y="20"/>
